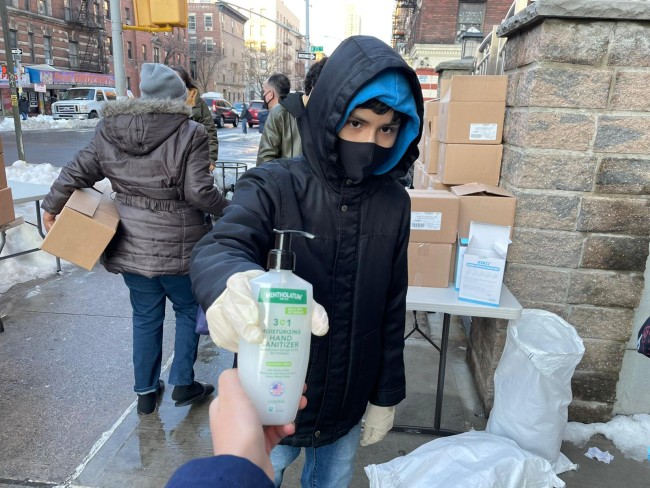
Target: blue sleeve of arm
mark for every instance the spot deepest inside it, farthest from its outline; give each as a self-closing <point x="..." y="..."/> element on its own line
<point x="219" y="471"/>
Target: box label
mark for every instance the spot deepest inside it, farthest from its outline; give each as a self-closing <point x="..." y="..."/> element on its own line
<point x="426" y="220"/>
<point x="483" y="132"/>
<point x="481" y="279"/>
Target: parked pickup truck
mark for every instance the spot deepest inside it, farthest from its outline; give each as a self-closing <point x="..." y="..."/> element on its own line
<point x="83" y="102"/>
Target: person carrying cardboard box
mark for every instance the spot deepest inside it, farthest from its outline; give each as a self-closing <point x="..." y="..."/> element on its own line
<point x="157" y="161"/>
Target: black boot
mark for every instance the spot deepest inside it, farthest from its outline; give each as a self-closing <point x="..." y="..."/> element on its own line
<point x="186" y="394"/>
<point x="147" y="402"/>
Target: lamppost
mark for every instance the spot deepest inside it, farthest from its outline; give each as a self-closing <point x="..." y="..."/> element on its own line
<point x="470" y="40"/>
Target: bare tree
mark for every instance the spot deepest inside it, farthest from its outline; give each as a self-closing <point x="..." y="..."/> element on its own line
<point x="206" y="60"/>
<point x="172" y="44"/>
<point x="259" y="66"/>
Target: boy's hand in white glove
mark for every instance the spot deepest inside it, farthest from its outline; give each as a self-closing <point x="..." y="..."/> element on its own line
<point x="379" y="420"/>
<point x="234" y="314"/>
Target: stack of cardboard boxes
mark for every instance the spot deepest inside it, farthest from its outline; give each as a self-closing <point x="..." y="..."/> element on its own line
<point x="460" y="163"/>
<point x="6" y="199"/>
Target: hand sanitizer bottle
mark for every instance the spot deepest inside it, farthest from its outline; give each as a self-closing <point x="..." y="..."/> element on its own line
<point x="273" y="372"/>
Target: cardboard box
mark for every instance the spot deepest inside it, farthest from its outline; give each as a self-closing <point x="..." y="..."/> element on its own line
<point x="484" y="203"/>
<point x="483" y="264"/>
<point x="431" y="109"/>
<point x="471" y="122"/>
<point x="429" y="264"/>
<point x="434" y="216"/>
<point x="419" y="176"/>
<point x="436" y="184"/>
<point x="6" y="206"/>
<point x="467" y="163"/>
<point x="468" y="88"/>
<point x="84" y="228"/>
<point x="443" y="86"/>
<point x="431" y="156"/>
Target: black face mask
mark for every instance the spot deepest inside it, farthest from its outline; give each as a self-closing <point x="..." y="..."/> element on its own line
<point x="265" y="105"/>
<point x="360" y="159"/>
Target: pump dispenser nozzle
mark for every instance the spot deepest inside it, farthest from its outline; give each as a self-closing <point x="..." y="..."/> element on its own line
<point x="282" y="257"/>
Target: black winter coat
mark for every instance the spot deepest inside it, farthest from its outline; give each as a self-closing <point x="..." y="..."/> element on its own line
<point x="357" y="263"/>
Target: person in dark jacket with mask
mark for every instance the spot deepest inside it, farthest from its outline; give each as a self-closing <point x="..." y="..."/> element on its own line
<point x="359" y="133"/>
<point x="200" y="112"/>
<point x="156" y="159"/>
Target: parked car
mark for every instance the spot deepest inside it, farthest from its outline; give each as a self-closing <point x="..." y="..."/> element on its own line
<point x="254" y="108"/>
<point x="222" y="112"/>
<point x="83" y="102"/>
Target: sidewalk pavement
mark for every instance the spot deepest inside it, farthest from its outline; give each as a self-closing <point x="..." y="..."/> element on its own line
<point x="68" y="409"/>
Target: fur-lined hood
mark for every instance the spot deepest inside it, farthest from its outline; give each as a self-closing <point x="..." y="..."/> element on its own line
<point x="138" y="126"/>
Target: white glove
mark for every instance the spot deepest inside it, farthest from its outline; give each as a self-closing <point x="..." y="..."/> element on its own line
<point x="234" y="314"/>
<point x="379" y="420"/>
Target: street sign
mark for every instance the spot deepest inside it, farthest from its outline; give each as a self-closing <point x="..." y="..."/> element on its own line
<point x="16" y="51"/>
<point x="304" y="55"/>
<point x="316" y="49"/>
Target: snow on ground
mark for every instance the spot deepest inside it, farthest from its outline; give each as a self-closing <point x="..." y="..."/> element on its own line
<point x="37" y="264"/>
<point x="41" y="122"/>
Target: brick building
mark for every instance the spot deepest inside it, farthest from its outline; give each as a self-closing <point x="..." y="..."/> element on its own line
<point x="427" y="32"/>
<point x="216" y="39"/>
<point x="68" y="43"/>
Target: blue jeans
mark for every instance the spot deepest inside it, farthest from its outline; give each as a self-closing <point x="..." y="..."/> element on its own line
<point x="244" y="125"/>
<point x="148" y="297"/>
<point x="330" y="466"/>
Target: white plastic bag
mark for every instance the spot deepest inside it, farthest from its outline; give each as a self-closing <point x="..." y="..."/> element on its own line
<point x="532" y="384"/>
<point x="471" y="459"/>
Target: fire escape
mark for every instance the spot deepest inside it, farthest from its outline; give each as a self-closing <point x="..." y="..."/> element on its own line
<point x="401" y="19"/>
<point x="87" y="21"/>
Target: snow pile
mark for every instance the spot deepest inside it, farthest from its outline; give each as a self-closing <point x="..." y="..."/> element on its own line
<point x="41" y="122"/>
<point x="631" y="435"/>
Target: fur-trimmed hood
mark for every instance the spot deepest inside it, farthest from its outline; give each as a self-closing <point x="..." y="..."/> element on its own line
<point x="138" y="126"/>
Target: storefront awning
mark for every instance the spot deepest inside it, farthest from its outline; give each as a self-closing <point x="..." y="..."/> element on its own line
<point x="53" y="76"/>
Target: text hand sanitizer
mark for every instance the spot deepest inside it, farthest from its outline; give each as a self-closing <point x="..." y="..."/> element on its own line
<point x="273" y="372"/>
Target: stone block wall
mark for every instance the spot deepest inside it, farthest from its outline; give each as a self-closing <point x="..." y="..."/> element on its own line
<point x="577" y="156"/>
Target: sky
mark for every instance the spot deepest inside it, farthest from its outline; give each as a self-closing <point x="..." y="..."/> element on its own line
<point x="326" y="25"/>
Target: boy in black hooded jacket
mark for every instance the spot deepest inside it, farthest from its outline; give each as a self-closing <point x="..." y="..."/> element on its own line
<point x="359" y="132"/>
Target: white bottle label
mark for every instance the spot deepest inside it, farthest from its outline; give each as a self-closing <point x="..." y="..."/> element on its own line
<point x="285" y="314"/>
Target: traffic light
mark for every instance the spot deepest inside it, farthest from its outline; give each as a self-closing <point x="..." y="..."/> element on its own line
<point x="161" y="13"/>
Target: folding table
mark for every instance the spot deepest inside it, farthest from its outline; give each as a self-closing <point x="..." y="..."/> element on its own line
<point x="445" y="301"/>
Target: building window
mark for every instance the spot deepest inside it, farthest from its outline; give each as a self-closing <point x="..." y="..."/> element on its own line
<point x="107" y="9"/>
<point x="41" y="7"/>
<point x="13" y="39"/>
<point x="27" y="5"/>
<point x="129" y="50"/>
<point x="109" y="44"/>
<point x="221" y="19"/>
<point x="469" y="15"/>
<point x="47" y="48"/>
<point x="191" y="22"/>
<point x="127" y="15"/>
<point x="144" y="53"/>
<point x="156" y="55"/>
<point x="223" y="48"/>
<point x="32" y="51"/>
<point x="263" y="46"/>
<point x="262" y="30"/>
<point x="252" y="30"/>
<point x="207" y="19"/>
<point x="232" y="25"/>
<point x="128" y="82"/>
<point x="209" y="44"/>
<point x="73" y="54"/>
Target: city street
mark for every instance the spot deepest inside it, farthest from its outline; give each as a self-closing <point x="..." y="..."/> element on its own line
<point x="58" y="146"/>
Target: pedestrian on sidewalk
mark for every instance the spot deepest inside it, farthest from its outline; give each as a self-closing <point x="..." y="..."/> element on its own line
<point x="281" y="138"/>
<point x="245" y="116"/>
<point x="23" y="107"/>
<point x="360" y="132"/>
<point x="157" y="160"/>
<point x="200" y="113"/>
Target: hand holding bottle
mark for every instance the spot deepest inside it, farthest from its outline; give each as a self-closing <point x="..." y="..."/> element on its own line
<point x="234" y="314"/>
